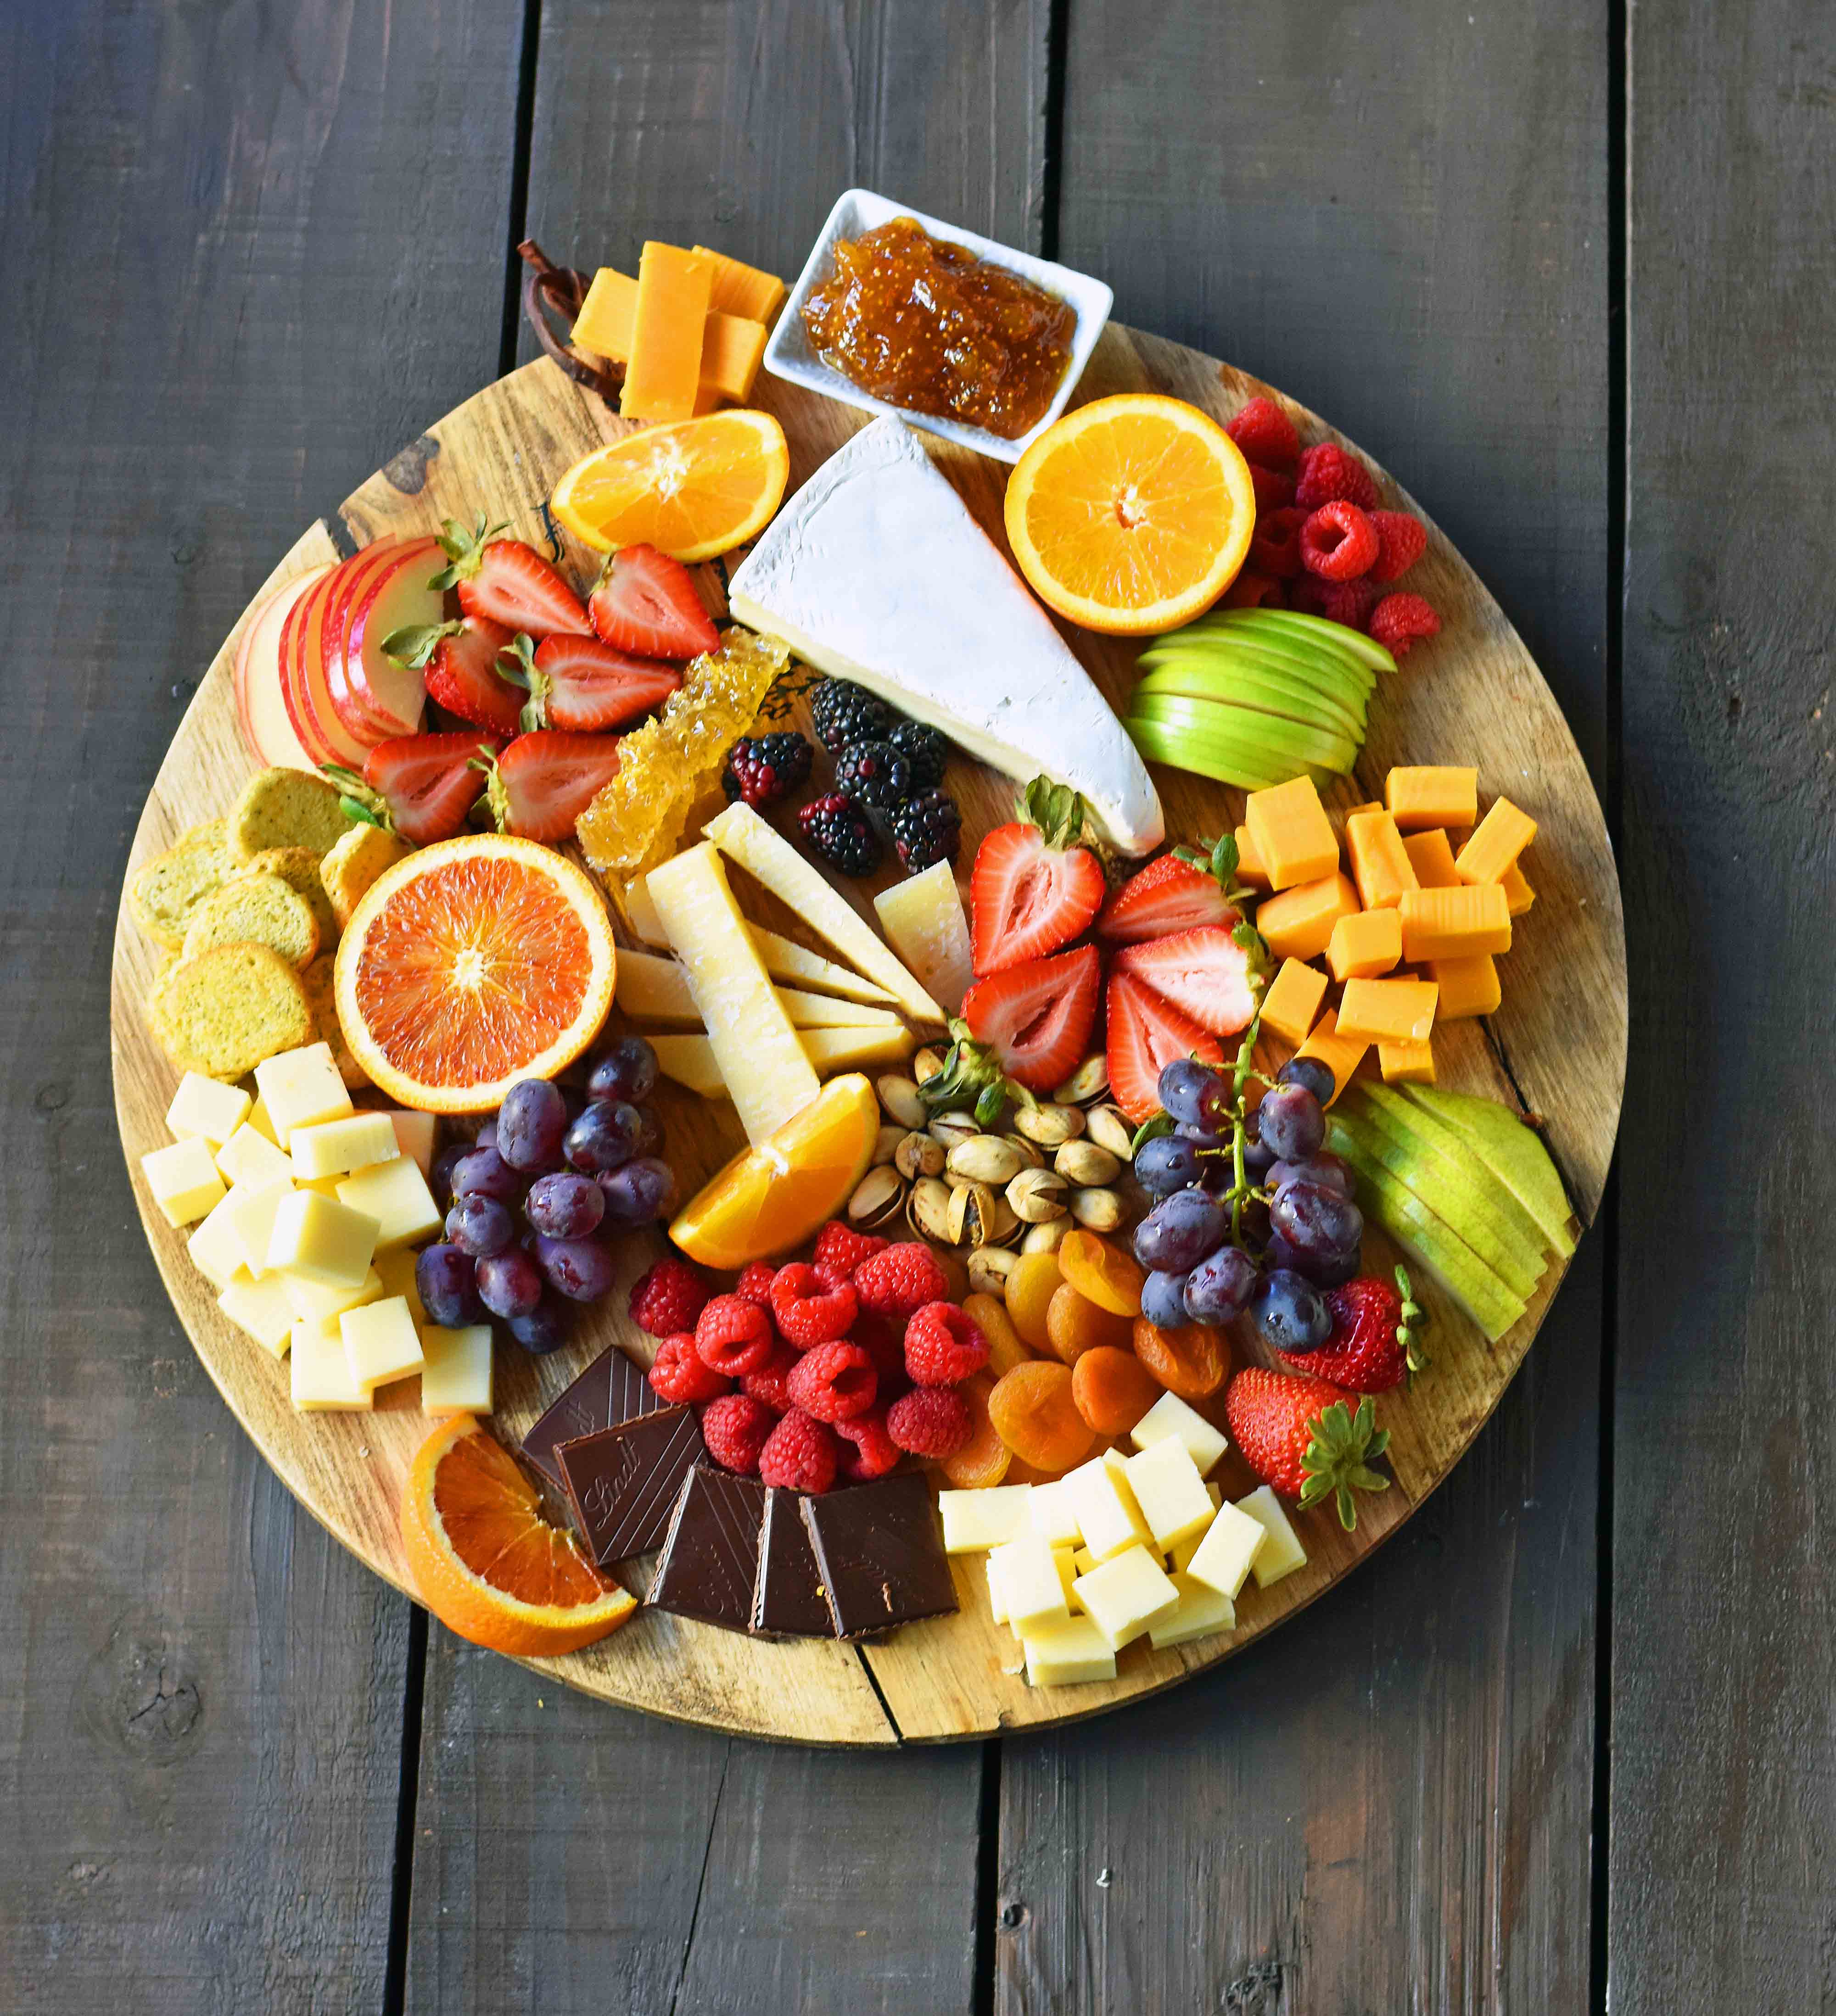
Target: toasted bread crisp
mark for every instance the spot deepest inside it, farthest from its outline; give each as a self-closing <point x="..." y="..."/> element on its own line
<point x="169" y="889"/>
<point x="357" y="860"/>
<point x="298" y="867"/>
<point x="229" y="1009"/>
<point x="322" y="998"/>
<point x="256" y="909"/>
<point x="283" y="808"/>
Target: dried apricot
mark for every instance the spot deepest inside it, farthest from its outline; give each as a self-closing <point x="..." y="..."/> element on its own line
<point x="1005" y="1349"/>
<point x="983" y="1460"/>
<point x="1030" y="1289"/>
<point x="1034" y="1415"/>
<point x="1074" y="1325"/>
<point x="1191" y="1360"/>
<point x="1101" y="1274"/>
<point x="1112" y="1389"/>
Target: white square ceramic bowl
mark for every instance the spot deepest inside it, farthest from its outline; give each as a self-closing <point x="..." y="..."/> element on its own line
<point x="789" y="354"/>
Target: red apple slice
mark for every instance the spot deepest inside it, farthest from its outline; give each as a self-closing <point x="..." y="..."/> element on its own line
<point x="394" y="600"/>
<point x="302" y="671"/>
<point x="260" y="705"/>
<point x="349" y="706"/>
<point x="304" y="728"/>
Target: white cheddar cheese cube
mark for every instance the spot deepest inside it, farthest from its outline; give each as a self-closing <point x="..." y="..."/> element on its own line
<point x="262" y="1308"/>
<point x="977" y="1519"/>
<point x="336" y="1147"/>
<point x="215" y="1250"/>
<point x="1126" y="1595"/>
<point x="1065" y="1560"/>
<point x="1170" y="1416"/>
<point x="249" y="1156"/>
<point x="183" y="1179"/>
<point x="456" y="1377"/>
<point x="923" y="919"/>
<point x="260" y="1120"/>
<point x="321" y="1372"/>
<point x="299" y="1089"/>
<point x="322" y="1304"/>
<point x="252" y="1209"/>
<point x="414" y="1137"/>
<point x="380" y="1343"/>
<point x="1067" y="1654"/>
<point x="1107" y="1520"/>
<point x="206" y="1106"/>
<point x="322" y="1241"/>
<point x="1281" y="1552"/>
<point x="1180" y="1554"/>
<point x="1169" y="1491"/>
<point x="997" y="1597"/>
<point x="1229" y="1547"/>
<point x="396" y="1268"/>
<point x="1215" y="1492"/>
<point x="1082" y="1561"/>
<point x="396" y="1195"/>
<point x="324" y="1186"/>
<point x="1201" y="1610"/>
<point x="1031" y="1588"/>
<point x="1052" y="1515"/>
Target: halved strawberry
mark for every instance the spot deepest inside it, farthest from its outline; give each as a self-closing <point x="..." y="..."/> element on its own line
<point x="542" y="783"/>
<point x="1036" y="1016"/>
<point x="458" y="664"/>
<point x="1173" y="893"/>
<point x="1033" y="888"/>
<point x="506" y="581"/>
<point x="1146" y="1033"/>
<point x="426" y="782"/>
<point x="1205" y="972"/>
<point x="645" y="602"/>
<point x="578" y="682"/>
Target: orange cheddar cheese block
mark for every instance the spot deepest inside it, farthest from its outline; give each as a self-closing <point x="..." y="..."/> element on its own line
<point x="1456" y="923"/>
<point x="1355" y="811"/>
<point x="606" y="316"/>
<point x="1430" y="854"/>
<point x="1518" y="895"/>
<point x="1340" y="1055"/>
<point x="1250" y="870"/>
<point x="1503" y="835"/>
<point x="1381" y="865"/>
<point x="664" y="373"/>
<point x="1291" y="1005"/>
<point x="1432" y="795"/>
<point x="1360" y="947"/>
<point x="731" y="347"/>
<point x="1388" y="1011"/>
<point x="1406" y="1064"/>
<point x="1297" y="923"/>
<point x="1294" y="838"/>
<point x="736" y="289"/>
<point x="1468" y="986"/>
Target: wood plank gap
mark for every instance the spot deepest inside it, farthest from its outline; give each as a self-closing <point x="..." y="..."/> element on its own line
<point x="988" y="1876"/>
<point x="407" y="1802"/>
<point x="892" y="1721"/>
<point x="519" y="218"/>
<point x="726" y="1764"/>
<point x="1057" y="42"/>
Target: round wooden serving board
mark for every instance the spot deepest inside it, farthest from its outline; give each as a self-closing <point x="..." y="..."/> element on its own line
<point x="1556" y="1048"/>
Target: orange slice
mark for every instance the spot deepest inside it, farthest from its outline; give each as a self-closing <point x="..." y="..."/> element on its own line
<point x="772" y="1197"/>
<point x="487" y="1564"/>
<point x="694" y="489"/>
<point x="1131" y="514"/>
<point x="469" y="965"/>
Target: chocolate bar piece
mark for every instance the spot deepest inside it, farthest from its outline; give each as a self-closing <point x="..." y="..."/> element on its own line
<point x="787" y="1598"/>
<point x="880" y="1554"/>
<point x="612" y="1389"/>
<point x="711" y="1549"/>
<point x="622" y="1481"/>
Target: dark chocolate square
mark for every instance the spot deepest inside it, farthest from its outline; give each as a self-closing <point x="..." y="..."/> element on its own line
<point x="711" y="1553"/>
<point x="879" y="1550"/>
<point x="622" y="1481"/>
<point x="787" y="1597"/>
<point x="612" y="1389"/>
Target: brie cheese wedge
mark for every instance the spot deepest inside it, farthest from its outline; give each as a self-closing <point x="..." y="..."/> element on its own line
<point x="876" y="572"/>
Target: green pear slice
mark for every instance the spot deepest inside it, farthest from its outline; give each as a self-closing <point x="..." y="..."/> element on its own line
<point x="1309" y="630"/>
<point x="1251" y="686"/>
<point x="1419" y="1123"/>
<point x="1229" y="762"/>
<point x="1295" y="740"/>
<point x="1513" y="1151"/>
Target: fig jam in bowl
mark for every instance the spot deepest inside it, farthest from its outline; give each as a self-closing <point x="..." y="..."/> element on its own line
<point x="970" y="339"/>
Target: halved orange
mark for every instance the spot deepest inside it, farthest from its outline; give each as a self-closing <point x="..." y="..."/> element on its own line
<point x="471" y="964"/>
<point x="772" y="1197"/>
<point x="1131" y="514"/>
<point x="487" y="1564"/>
<point x="694" y="489"/>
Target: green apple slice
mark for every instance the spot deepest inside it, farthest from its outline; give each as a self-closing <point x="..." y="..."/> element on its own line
<point x="1236" y="733"/>
<point x="1296" y="739"/>
<point x="1315" y="690"/>
<point x="1514" y="1152"/>
<point x="1268" y="692"/>
<point x="1307" y="661"/>
<point x="1308" y="629"/>
<point x="1229" y="761"/>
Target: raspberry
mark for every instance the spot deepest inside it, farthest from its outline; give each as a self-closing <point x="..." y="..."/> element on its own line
<point x="762" y="771"/>
<point x="679" y="1375"/>
<point x="1275" y="547"/>
<point x="833" y="1381"/>
<point x="867" y="1450"/>
<point x="943" y="1345"/>
<point x="735" y="1429"/>
<point x="879" y="1339"/>
<point x="840" y="1250"/>
<point x="669" y="1298"/>
<point x="1252" y="590"/>
<point x="1338" y="542"/>
<point x="1399" y="622"/>
<point x="930" y="1420"/>
<point x="733" y="1335"/>
<point x="901" y="1280"/>
<point x="837" y="829"/>
<point x="807" y="1309"/>
<point x="1266" y="435"/>
<point x="1274" y="488"/>
<point x="1402" y="541"/>
<point x="1328" y="472"/>
<point x="767" y="1385"/>
<point x="1350" y="602"/>
<point x="1307" y="592"/>
<point x="800" y="1454"/>
<point x="755" y="1283"/>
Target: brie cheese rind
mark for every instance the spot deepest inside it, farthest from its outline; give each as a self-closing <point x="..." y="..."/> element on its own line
<point x="876" y="572"/>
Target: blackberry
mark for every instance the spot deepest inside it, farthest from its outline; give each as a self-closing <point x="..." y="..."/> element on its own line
<point x="765" y="768"/>
<point x="928" y="831"/>
<point x="836" y="829"/>
<point x="925" y="750"/>
<point x="873" y="774"/>
<point x="843" y="712"/>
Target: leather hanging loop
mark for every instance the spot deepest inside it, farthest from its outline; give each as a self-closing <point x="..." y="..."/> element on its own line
<point x="560" y="291"/>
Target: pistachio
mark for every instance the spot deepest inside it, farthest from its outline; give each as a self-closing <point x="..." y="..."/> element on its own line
<point x="927" y="1210"/>
<point x="1108" y="1127"/>
<point x="1006" y="1225"/>
<point x="1050" y="1126"/>
<point x="988" y="1268"/>
<point x="950" y="1128"/>
<point x="1089" y="1080"/>
<point x="972" y="1215"/>
<point x="899" y="1096"/>
<point x="926" y="1063"/>
<point x="917" y="1155"/>
<point x="876" y="1198"/>
<point x="1030" y="1157"/>
<point x="1099" y="1210"/>
<point x="1084" y="1163"/>
<point x="1048" y="1237"/>
<point x="1037" y="1196"/>
<point x="886" y="1145"/>
<point x="985" y="1158"/>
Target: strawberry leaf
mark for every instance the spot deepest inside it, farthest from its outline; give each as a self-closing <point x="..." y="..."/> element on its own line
<point x="1334" y="1464"/>
<point x="464" y="550"/>
<point x="415" y="643"/>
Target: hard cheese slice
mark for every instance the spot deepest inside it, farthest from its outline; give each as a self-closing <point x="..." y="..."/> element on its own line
<point x="876" y="572"/>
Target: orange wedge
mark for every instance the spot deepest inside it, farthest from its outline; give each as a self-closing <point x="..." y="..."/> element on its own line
<point x="487" y="1564"/>
<point x="772" y="1197"/>
<point x="469" y="965"/>
<point x="694" y="489"/>
<point x="1131" y="514"/>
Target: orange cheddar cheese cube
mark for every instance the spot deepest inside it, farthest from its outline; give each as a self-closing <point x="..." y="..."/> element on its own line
<point x="1455" y="923"/>
<point x="1430" y="854"/>
<point x="1294" y="838"/>
<point x="1250" y="870"/>
<point x="1518" y="895"/>
<point x="1432" y="795"/>
<point x="1291" y="1005"/>
<point x="1360" y="947"/>
<point x="731" y="348"/>
<point x="1381" y="865"/>
<point x="664" y="373"/>
<point x="1388" y="1011"/>
<point x="1340" y="1055"/>
<point x="1468" y="986"/>
<point x="736" y="289"/>
<point x="607" y="316"/>
<point x="1410" y="1063"/>
<point x="1503" y="835"/>
<point x="1297" y="923"/>
<point x="1357" y="812"/>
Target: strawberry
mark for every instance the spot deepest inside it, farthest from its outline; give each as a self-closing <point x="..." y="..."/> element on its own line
<point x="542" y="783"/>
<point x="507" y="581"/>
<point x="578" y="682"/>
<point x="1205" y="972"/>
<point x="1177" y="893"/>
<point x="1033" y="887"/>
<point x="1036" y="1016"/>
<point x="1145" y="1034"/>
<point x="1296" y="1435"/>
<point x="645" y="602"/>
<point x="457" y="662"/>
<point x="426" y="783"/>
<point x="1372" y="1345"/>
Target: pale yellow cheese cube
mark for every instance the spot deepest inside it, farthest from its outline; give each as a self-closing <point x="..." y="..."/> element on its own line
<point x="381" y="1343"/>
<point x="324" y="1305"/>
<point x="1063" y="1559"/>
<point x="336" y="1147"/>
<point x="215" y="1250"/>
<point x="324" y="1186"/>
<point x="1126" y="1595"/>
<point x="1067" y="1654"/>
<point x="414" y="1137"/>
<point x="206" y="1106"/>
<point x="183" y="1179"/>
<point x="253" y="1209"/>
<point x="396" y="1269"/>
<point x="456" y="1377"/>
<point x="1052" y="1516"/>
<point x="997" y="1597"/>
<point x="321" y="1374"/>
<point x="1108" y="1521"/>
<point x="1181" y="1554"/>
<point x="1030" y="1585"/>
<point x="249" y="1156"/>
<point x="1200" y="1610"/>
<point x="1170" y="1416"/>
<point x="260" y="1120"/>
<point x="262" y="1308"/>
<point x="1215" y="1492"/>
<point x="299" y="1089"/>
<point x="1227" y="1551"/>
<point x="1082" y="1561"/>
<point x="1281" y="1552"/>
<point x="396" y="1195"/>
<point x="322" y="1241"/>
<point x="974" y="1520"/>
<point x="1169" y="1491"/>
